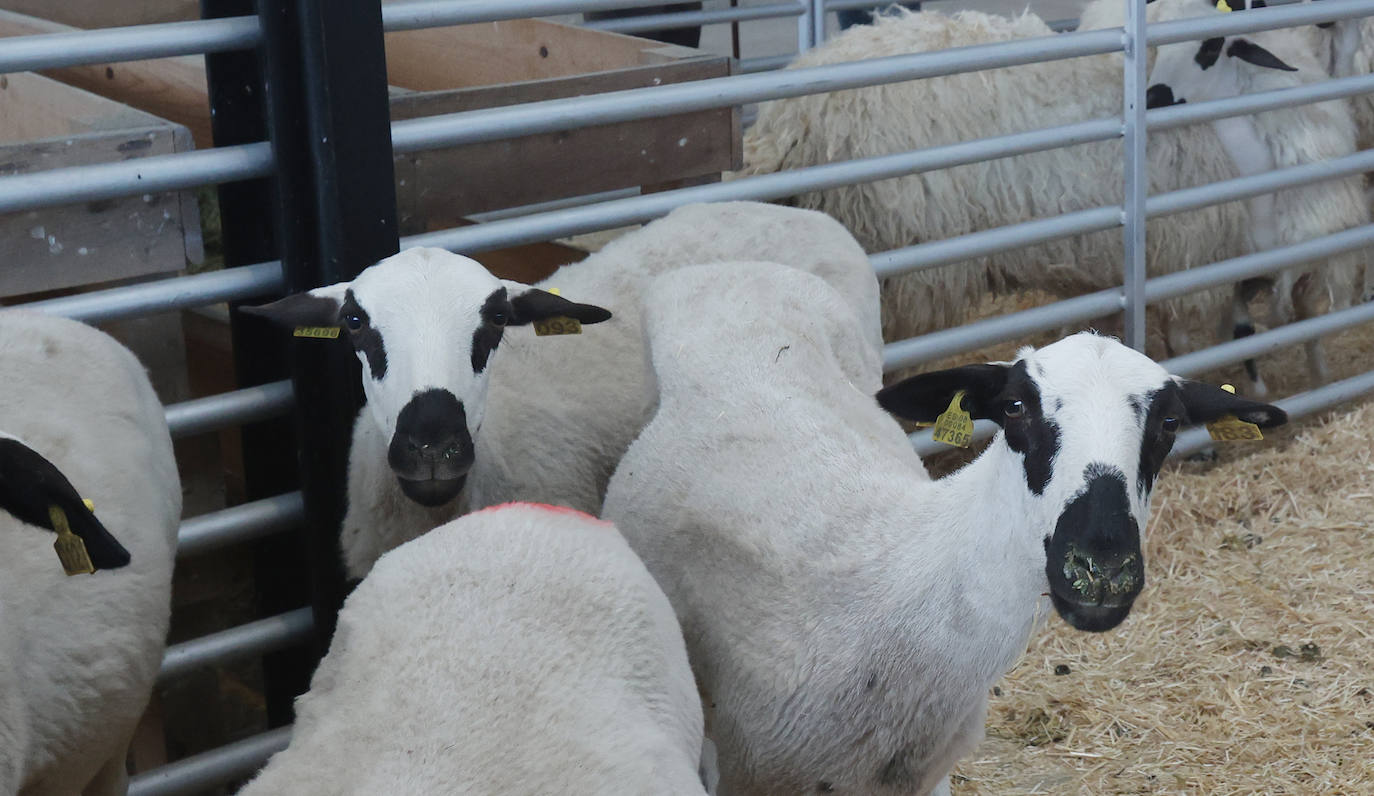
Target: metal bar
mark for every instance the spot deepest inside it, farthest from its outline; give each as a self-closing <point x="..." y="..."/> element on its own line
<point x="133" y="43"/>
<point x="131" y="177"/>
<point x="491" y="124"/>
<point x="806" y="38"/>
<point x="546" y="226"/>
<point x="1195" y="113"/>
<point x="443" y="13"/>
<point x="765" y="63"/>
<point x="817" y="19"/>
<point x="246" y="405"/>
<point x="1297" y="406"/>
<point x="198" y="773"/>
<point x="1267" y="342"/>
<point x="1268" y="182"/>
<point x="1290" y="16"/>
<point x="691" y="19"/>
<point x="237" y="643"/>
<point x="176" y="293"/>
<point x="1136" y="174"/>
<point x="238" y="524"/>
<point x="924" y="443"/>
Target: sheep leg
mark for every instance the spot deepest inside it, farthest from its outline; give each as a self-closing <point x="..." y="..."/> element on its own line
<point x="942" y="789"/>
<point x="112" y="779"/>
<point x="1242" y="325"/>
<point x="1307" y="304"/>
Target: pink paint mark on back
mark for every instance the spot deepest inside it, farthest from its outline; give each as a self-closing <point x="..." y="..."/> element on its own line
<point x="545" y="507"/>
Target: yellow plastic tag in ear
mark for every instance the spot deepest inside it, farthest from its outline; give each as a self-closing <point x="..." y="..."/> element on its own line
<point x="557" y="325"/>
<point x="1230" y="428"/>
<point x="1222" y="6"/>
<point x="954" y="426"/>
<point x="555" y="291"/>
<point x="71" y="551"/>
<point x="90" y="506"/>
<point x="317" y="332"/>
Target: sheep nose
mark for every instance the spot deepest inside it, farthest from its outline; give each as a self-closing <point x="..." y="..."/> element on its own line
<point x="444" y="447"/>
<point x="1160" y="96"/>
<point x="1097" y="580"/>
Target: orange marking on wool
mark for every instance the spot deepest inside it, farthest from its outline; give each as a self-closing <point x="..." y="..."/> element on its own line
<point x="545" y="507"/>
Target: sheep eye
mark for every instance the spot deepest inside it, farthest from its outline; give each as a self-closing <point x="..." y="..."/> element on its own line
<point x="353" y="322"/>
<point x="498" y="319"/>
<point x="1014" y="409"/>
<point x="1170" y="424"/>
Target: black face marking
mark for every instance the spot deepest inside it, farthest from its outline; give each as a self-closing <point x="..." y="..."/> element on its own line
<point x="431" y="451"/>
<point x="1140" y="405"/>
<point x="366" y="340"/>
<point x="1156" y="441"/>
<point x="1093" y="560"/>
<point x="30" y="485"/>
<point x="1160" y="95"/>
<point x="1208" y="52"/>
<point x="1030" y="434"/>
<point x="496" y="313"/>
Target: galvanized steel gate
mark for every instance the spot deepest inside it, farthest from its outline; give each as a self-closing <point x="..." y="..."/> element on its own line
<point x="303" y="159"/>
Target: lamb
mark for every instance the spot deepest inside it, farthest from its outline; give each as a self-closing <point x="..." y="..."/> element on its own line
<point x="845" y="615"/>
<point x="865" y="122"/>
<point x="519" y="649"/>
<point x="79" y="654"/>
<point x="560" y="410"/>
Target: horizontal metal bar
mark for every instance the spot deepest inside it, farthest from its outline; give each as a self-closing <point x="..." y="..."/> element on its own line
<point x="443" y="13"/>
<point x="690" y="19"/>
<point x="924" y="443"/>
<point x="199" y="773"/>
<point x="1255" y="185"/>
<point x="764" y="63"/>
<point x="1297" y="406"/>
<point x="245" y="641"/>
<point x="1254" y="20"/>
<point x="896" y="262"/>
<point x="132" y="43"/>
<point x="238" y="524"/>
<point x="131" y="177"/>
<point x="559" y="223"/>
<point x="1193" y="113"/>
<point x="490" y="124"/>
<point x="246" y="405"/>
<point x="1269" y="341"/>
<point x="176" y="293"/>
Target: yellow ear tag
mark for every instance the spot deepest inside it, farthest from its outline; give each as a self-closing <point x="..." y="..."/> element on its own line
<point x="71" y="551"/>
<point x="954" y="426"/>
<point x="317" y="332"/>
<point x="557" y="324"/>
<point x="1222" y="6"/>
<point x="1230" y="428"/>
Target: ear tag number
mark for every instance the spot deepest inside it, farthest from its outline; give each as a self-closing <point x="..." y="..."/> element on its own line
<point x="557" y="324"/>
<point x="954" y="426"/>
<point x="317" y="332"/>
<point x="71" y="551"/>
<point x="1230" y="428"/>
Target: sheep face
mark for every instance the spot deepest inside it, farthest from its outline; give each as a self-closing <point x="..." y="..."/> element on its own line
<point x="1086" y="424"/>
<point x="426" y="324"/>
<point x="1216" y="68"/>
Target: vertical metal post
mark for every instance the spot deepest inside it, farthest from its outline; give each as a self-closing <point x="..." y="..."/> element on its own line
<point x="817" y="22"/>
<point x="1136" y="178"/>
<point x="805" y="29"/>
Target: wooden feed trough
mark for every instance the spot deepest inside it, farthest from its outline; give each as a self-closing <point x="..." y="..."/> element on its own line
<point x="47" y="125"/>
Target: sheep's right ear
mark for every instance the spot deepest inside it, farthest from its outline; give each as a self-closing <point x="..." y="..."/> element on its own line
<point x="922" y="398"/>
<point x="318" y="307"/>
<point x="530" y="304"/>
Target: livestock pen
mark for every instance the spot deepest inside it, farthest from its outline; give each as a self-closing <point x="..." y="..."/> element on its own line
<point x="1243" y="668"/>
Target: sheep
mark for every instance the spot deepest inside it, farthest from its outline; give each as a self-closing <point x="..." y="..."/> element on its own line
<point x="518" y="649"/>
<point x="899" y="212"/>
<point x="845" y="615"/>
<point x="79" y="654"/>
<point x="560" y="410"/>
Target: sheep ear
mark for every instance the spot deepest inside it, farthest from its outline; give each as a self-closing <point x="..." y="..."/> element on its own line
<point x="530" y="304"/>
<point x="318" y="307"/>
<point x="922" y="398"/>
<point x="31" y="487"/>
<point x="1252" y="53"/>
<point x="1206" y="403"/>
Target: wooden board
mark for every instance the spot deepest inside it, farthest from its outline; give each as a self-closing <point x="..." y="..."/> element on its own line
<point x="171" y="88"/>
<point x="93" y="242"/>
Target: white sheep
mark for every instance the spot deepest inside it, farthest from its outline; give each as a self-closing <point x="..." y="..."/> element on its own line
<point x="899" y="212"/>
<point x="845" y="615"/>
<point x="555" y="412"/>
<point x="519" y="649"/>
<point x="79" y="654"/>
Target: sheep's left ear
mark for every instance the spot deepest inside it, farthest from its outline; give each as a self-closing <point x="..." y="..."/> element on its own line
<point x="530" y="304"/>
<point x="1206" y="403"/>
<point x="318" y="307"/>
<point x="1252" y="53"/>
<point x="922" y="398"/>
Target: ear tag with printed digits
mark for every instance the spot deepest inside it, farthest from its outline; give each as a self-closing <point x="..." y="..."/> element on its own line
<point x="558" y="324"/>
<point x="71" y="551"/>
<point x="317" y="332"/>
<point x="1223" y="6"/>
<point x="954" y="426"/>
<point x="1230" y="428"/>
